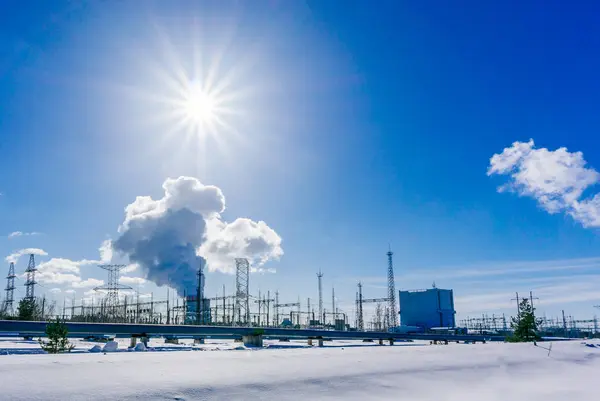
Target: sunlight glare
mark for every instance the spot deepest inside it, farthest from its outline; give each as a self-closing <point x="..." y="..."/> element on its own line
<point x="199" y="106"/>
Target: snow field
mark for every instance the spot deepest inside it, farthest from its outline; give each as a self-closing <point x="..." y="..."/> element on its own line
<point x="292" y="371"/>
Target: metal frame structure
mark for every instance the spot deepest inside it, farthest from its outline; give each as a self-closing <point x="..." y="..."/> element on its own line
<point x="30" y="283"/>
<point x="320" y="278"/>
<point x="242" y="293"/>
<point x="360" y="323"/>
<point x="392" y="309"/>
<point x="112" y="287"/>
<point x="7" y="307"/>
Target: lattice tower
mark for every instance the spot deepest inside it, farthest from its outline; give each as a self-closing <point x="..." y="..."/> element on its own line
<point x="112" y="288"/>
<point x="30" y="283"/>
<point x="8" y="307"/>
<point x="242" y="294"/>
<point x="392" y="310"/>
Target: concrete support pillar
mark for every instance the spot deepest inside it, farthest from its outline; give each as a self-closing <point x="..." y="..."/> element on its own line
<point x="144" y="340"/>
<point x="132" y="342"/>
<point x="310" y="342"/>
<point x="320" y="342"/>
<point x="391" y="341"/>
<point x="253" y="340"/>
<point x="198" y="340"/>
<point x="381" y="341"/>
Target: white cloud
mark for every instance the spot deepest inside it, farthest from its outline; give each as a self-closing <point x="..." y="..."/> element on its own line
<point x="556" y="179"/>
<point x="55" y="290"/>
<point x="70" y="291"/>
<point x="16" y="234"/>
<point x="243" y="238"/>
<point x="132" y="280"/>
<point x="130" y="268"/>
<point x="93" y="293"/>
<point x="61" y="271"/>
<point x="168" y="237"/>
<point x="90" y="282"/>
<point x="14" y="257"/>
<point x="106" y="251"/>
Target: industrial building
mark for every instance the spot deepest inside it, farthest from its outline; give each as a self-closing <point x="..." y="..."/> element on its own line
<point x="197" y="310"/>
<point x="427" y="308"/>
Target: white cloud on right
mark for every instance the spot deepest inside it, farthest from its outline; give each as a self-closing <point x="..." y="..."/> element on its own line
<point x="556" y="179"/>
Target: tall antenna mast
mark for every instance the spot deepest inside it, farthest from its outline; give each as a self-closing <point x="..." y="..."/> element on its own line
<point x="393" y="314"/>
<point x="7" y="308"/>
<point x="320" y="277"/>
<point x="360" y="323"/>
<point x="333" y="303"/>
<point x="30" y="283"/>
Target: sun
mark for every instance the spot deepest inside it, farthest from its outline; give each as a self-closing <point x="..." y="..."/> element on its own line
<point x="199" y="106"/>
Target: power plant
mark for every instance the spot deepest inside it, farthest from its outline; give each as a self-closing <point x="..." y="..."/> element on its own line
<point x="428" y="310"/>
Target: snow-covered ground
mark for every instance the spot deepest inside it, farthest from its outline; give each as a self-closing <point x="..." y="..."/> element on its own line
<point x="293" y="371"/>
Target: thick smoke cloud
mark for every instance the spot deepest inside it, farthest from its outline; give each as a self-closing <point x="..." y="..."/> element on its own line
<point x="169" y="238"/>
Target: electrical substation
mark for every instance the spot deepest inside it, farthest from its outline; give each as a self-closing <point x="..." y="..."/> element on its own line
<point x="415" y="311"/>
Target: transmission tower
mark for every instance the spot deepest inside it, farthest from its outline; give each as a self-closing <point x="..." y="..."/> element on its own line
<point x="112" y="287"/>
<point x="7" y="308"/>
<point x="320" y="277"/>
<point x="242" y="294"/>
<point x="30" y="283"/>
<point x="393" y="314"/>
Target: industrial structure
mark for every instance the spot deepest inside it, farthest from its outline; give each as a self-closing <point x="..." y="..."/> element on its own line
<point x="30" y="283"/>
<point x="427" y="308"/>
<point x="197" y="307"/>
<point x="421" y="311"/>
<point x="392" y="310"/>
<point x="320" y="278"/>
<point x="112" y="311"/>
<point x="242" y="291"/>
<point x="7" y="305"/>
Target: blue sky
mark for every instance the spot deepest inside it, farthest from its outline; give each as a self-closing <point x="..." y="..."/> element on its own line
<point x="347" y="128"/>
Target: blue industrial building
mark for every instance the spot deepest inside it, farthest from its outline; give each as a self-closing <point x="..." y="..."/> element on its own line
<point x="427" y="308"/>
<point x="197" y="312"/>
